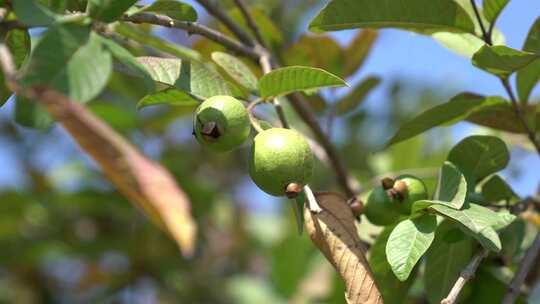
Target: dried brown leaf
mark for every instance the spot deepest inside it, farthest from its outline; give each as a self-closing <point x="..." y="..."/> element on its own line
<point x="333" y="231"/>
<point x="140" y="179"/>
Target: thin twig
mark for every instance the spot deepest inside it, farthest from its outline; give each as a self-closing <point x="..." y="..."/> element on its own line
<point x="520" y="115"/>
<point x="220" y="14"/>
<point x="194" y="28"/>
<point x="252" y="118"/>
<point x="465" y="276"/>
<point x="523" y="269"/>
<point x="250" y="21"/>
<point x="485" y="34"/>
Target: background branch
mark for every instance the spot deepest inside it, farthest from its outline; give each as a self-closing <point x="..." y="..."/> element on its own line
<point x="523" y="270"/>
<point x="250" y="21"/>
<point x="465" y="276"/>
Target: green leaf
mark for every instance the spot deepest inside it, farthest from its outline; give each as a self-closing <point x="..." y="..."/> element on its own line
<point x="296" y="78"/>
<point x="452" y="186"/>
<point x="146" y="39"/>
<point x="496" y="189"/>
<point x="71" y="60"/>
<point x="33" y="13"/>
<point x="479" y="156"/>
<point x="427" y="16"/>
<point x="476" y="220"/>
<point x="408" y="242"/>
<point x="512" y="238"/>
<point x="271" y="33"/>
<point x="457" y="109"/>
<point x="501" y="60"/>
<point x="528" y="77"/>
<point x="449" y="254"/>
<point x="130" y="61"/>
<point x="195" y="78"/>
<point x="358" y="94"/>
<point x="172" y="8"/>
<point x="108" y="10"/>
<point x="493" y="8"/>
<point x="237" y="70"/>
<point x="392" y="290"/>
<point x="30" y="114"/>
<point x="170" y="96"/>
<point x="501" y="116"/>
<point x="18" y="42"/>
<point x="466" y="44"/>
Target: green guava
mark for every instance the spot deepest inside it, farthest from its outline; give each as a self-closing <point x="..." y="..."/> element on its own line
<point x="416" y="190"/>
<point x="381" y="208"/>
<point x="221" y="123"/>
<point x="280" y="157"/>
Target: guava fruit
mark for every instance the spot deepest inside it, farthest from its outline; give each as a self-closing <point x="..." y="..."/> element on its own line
<point x="281" y="162"/>
<point x="409" y="189"/>
<point x="221" y="123"/>
<point x="381" y="208"/>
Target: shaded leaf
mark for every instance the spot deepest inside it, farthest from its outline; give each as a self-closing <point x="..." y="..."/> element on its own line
<point x="130" y="61"/>
<point x="512" y="238"/>
<point x="333" y="231"/>
<point x="108" y="10"/>
<point x="493" y="8"/>
<point x="33" y="13"/>
<point x="172" y="8"/>
<point x="449" y="254"/>
<point x="501" y="60"/>
<point x="496" y="189"/>
<point x="18" y="42"/>
<point x="408" y="242"/>
<point x="170" y="96"/>
<point x="296" y="78"/>
<point x="393" y="290"/>
<point x="195" y="78"/>
<point x="501" y="116"/>
<point x="71" y="60"/>
<point x="457" y="109"/>
<point x="479" y="156"/>
<point x="159" y="44"/>
<point x="237" y="70"/>
<point x="30" y="114"/>
<point x="358" y="50"/>
<point x="528" y="77"/>
<point x="357" y="95"/>
<point x="420" y="15"/>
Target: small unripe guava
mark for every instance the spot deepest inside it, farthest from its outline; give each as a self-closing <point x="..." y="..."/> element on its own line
<point x="414" y="190"/>
<point x="280" y="157"/>
<point x="221" y="123"/>
<point x="381" y="208"/>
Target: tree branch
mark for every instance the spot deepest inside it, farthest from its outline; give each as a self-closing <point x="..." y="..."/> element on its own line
<point x="485" y="34"/>
<point x="250" y="21"/>
<point x="194" y="28"/>
<point x="523" y="269"/>
<point x="220" y="14"/>
<point x="465" y="276"/>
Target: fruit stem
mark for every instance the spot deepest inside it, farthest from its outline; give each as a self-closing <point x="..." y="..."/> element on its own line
<point x="252" y="118"/>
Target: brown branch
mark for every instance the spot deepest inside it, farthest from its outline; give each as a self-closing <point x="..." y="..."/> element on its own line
<point x="465" y="276"/>
<point x="523" y="269"/>
<point x="220" y="14"/>
<point x="485" y="34"/>
<point x="194" y="28"/>
<point x="520" y="115"/>
<point x="250" y="21"/>
<point x="143" y="181"/>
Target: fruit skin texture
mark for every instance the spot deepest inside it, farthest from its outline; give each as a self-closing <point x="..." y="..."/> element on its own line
<point x="381" y="209"/>
<point x="416" y="190"/>
<point x="280" y="157"/>
<point x="231" y="119"/>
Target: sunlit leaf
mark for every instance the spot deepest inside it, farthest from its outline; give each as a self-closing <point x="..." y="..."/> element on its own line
<point x="528" y="77"/>
<point x="420" y="15"/>
<point x="170" y="96"/>
<point x="296" y="78"/>
<point x="501" y="60"/>
<point x="237" y="70"/>
<point x="408" y="242"/>
<point x="172" y="8"/>
<point x="493" y="8"/>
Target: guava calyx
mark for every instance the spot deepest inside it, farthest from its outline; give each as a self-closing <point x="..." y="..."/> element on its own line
<point x="293" y="189"/>
<point x="387" y="183"/>
<point x="211" y="131"/>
